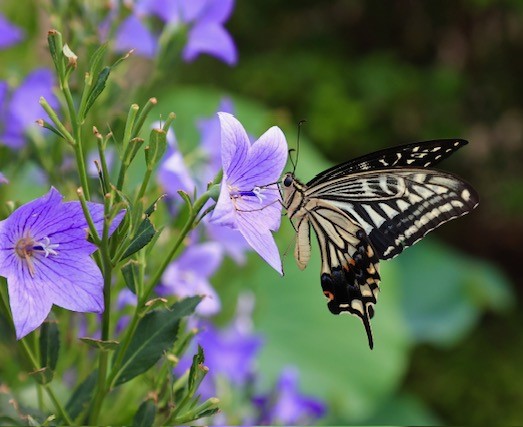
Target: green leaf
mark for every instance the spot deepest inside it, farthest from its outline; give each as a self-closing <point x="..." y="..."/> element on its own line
<point x="97" y="88"/>
<point x="144" y="417"/>
<point x="43" y="375"/>
<point x="81" y="397"/>
<point x="96" y="60"/>
<point x="131" y="273"/>
<point x="441" y="308"/>
<point x="152" y="208"/>
<point x="49" y="345"/>
<point x="197" y="372"/>
<point x="156" y="148"/>
<point x="101" y="345"/>
<point x="154" y="335"/>
<point x="144" y="235"/>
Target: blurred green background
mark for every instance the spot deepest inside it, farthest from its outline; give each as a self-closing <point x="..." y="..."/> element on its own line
<point x="367" y="75"/>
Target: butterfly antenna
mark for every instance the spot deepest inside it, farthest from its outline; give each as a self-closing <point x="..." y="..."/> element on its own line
<point x="295" y="162"/>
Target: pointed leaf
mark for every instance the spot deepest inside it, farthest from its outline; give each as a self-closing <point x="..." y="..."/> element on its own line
<point x="144" y="235"/>
<point x="144" y="417"/>
<point x="97" y="89"/>
<point x="81" y="397"/>
<point x="49" y="345"/>
<point x="154" y="335"/>
<point x="101" y="345"/>
<point x="42" y="376"/>
<point x="131" y="273"/>
<point x="157" y="147"/>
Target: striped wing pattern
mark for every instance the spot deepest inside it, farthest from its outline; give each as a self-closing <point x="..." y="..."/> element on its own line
<point x="372" y="208"/>
<point x="419" y="154"/>
<point x="350" y="268"/>
<point x="398" y="207"/>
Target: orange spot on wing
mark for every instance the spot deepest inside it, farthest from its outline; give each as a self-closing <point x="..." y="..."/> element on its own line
<point x="329" y="295"/>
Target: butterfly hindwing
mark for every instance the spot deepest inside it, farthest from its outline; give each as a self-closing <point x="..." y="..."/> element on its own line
<point x="350" y="268"/>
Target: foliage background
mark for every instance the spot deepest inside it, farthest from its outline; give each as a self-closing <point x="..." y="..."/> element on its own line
<point x="366" y="75"/>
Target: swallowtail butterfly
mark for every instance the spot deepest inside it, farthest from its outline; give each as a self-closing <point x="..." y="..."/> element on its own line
<point x="372" y="208"/>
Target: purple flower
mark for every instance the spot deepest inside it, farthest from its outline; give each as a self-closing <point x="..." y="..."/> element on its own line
<point x="19" y="113"/>
<point x="249" y="200"/>
<point x="208" y="35"/>
<point x="45" y="256"/>
<point x="189" y="275"/>
<point x="205" y="19"/>
<point x="230" y="353"/>
<point x="3" y="179"/>
<point x="133" y="34"/>
<point x="285" y="405"/>
<point x="173" y="174"/>
<point x="9" y="34"/>
<point x="210" y="132"/>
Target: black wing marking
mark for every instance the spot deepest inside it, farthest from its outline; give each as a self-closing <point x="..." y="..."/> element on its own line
<point x="397" y="207"/>
<point x="419" y="154"/>
<point x="350" y="267"/>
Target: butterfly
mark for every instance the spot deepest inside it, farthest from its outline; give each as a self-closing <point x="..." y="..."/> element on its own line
<point x="370" y="209"/>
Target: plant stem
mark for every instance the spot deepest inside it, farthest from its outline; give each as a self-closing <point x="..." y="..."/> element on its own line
<point x="103" y="362"/>
<point x="195" y="209"/>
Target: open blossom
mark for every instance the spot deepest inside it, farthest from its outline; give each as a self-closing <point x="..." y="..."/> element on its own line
<point x="205" y="21"/>
<point x="45" y="256"/>
<point x="285" y="405"/>
<point x="189" y="275"/>
<point x="249" y="199"/>
<point x="9" y="34"/>
<point x="174" y="175"/>
<point x="20" y="110"/>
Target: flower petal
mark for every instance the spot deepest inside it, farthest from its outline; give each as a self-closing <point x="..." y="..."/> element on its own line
<point x="9" y="34"/>
<point x="24" y="109"/>
<point x="261" y="240"/>
<point x="212" y="39"/>
<point x="224" y="212"/>
<point x="132" y="34"/>
<point x="72" y="282"/>
<point x="266" y="160"/>
<point x="29" y="301"/>
<point x="204" y="259"/>
<point x="217" y="11"/>
<point x="173" y="174"/>
<point x="235" y="143"/>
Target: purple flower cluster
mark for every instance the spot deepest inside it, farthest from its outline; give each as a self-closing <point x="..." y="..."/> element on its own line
<point x="204" y="20"/>
<point x="19" y="108"/>
<point x="9" y="34"/>
<point x="45" y="256"/>
<point x="230" y="355"/>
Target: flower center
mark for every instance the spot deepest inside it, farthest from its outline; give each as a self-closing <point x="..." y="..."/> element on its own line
<point x="257" y="192"/>
<point x="26" y="248"/>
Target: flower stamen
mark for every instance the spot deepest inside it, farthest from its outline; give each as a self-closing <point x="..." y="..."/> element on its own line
<point x="26" y="247"/>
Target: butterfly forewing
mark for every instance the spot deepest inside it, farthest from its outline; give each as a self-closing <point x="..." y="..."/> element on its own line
<point x="370" y="208"/>
<point x="397" y="207"/>
<point x="419" y="154"/>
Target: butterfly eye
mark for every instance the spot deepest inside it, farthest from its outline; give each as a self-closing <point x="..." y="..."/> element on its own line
<point x="287" y="182"/>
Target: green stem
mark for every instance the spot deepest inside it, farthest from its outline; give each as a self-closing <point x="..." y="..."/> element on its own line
<point x="106" y="318"/>
<point x="30" y="357"/>
<point x="196" y="208"/>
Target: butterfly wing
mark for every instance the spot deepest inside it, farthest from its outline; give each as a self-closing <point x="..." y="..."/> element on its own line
<point x="416" y="155"/>
<point x="350" y="270"/>
<point x="397" y="207"/>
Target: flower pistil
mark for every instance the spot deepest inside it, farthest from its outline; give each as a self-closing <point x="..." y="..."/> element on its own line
<point x="26" y="247"/>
